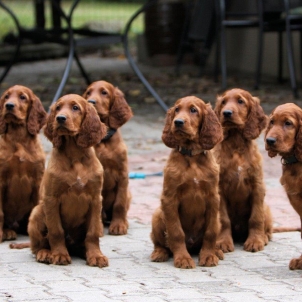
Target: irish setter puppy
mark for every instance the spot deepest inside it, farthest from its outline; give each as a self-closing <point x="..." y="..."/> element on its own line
<point x="284" y="137"/>
<point x="22" y="158"/>
<point x="67" y="218"/>
<point x="187" y="220"/>
<point x="244" y="215"/>
<point x="114" y="112"/>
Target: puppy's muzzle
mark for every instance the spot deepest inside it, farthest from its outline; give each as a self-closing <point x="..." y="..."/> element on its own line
<point x="179" y="123"/>
<point x="61" y="119"/>
<point x="93" y="102"/>
<point x="270" y="141"/>
<point x="9" y="106"/>
<point x="227" y="113"/>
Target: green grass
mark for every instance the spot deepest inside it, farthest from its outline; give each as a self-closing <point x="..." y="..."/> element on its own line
<point x="110" y="15"/>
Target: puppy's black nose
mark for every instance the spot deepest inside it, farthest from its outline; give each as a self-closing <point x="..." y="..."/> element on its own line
<point x="179" y="123"/>
<point x="227" y="113"/>
<point x="61" y="119"/>
<point x="271" y="141"/>
<point x="93" y="102"/>
<point x="9" y="106"/>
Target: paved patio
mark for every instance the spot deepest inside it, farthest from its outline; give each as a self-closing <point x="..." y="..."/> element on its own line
<point x="262" y="276"/>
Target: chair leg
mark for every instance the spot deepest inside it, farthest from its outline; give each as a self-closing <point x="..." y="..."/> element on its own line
<point x="202" y="58"/>
<point x="259" y="59"/>
<point x="216" y="66"/>
<point x="179" y="58"/>
<point x="184" y="40"/>
<point x="82" y="69"/>
<point x="280" y="57"/>
<point x="223" y="58"/>
<point x="290" y="58"/>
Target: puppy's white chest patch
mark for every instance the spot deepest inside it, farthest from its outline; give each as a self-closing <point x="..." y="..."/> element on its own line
<point x="79" y="177"/>
<point x="196" y="181"/>
<point x="79" y="182"/>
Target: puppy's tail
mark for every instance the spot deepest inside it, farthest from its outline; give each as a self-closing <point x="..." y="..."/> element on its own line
<point x="286" y="229"/>
<point x="19" y="246"/>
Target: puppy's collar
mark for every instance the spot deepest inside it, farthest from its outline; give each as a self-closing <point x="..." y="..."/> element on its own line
<point x="109" y="134"/>
<point x="289" y="160"/>
<point x="189" y="152"/>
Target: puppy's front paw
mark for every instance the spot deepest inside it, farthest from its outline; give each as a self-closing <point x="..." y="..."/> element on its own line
<point x="225" y="244"/>
<point x="254" y="244"/>
<point x="99" y="260"/>
<point x="160" y="254"/>
<point x="43" y="256"/>
<point x="184" y="262"/>
<point x="118" y="227"/>
<point x="60" y="258"/>
<point x="295" y="263"/>
<point x="208" y="258"/>
<point x="9" y="235"/>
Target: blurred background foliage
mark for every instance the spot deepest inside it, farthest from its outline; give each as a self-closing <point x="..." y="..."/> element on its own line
<point x="94" y="14"/>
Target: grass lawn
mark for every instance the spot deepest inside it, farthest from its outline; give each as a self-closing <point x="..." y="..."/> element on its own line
<point x="107" y="15"/>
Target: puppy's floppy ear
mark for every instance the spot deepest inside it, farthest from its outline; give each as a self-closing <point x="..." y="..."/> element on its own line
<point x="2" y="122"/>
<point x="270" y="152"/>
<point x="211" y="130"/>
<point x="217" y="107"/>
<point x="37" y="115"/>
<point x="298" y="142"/>
<point x="120" y="111"/>
<point x="92" y="129"/>
<point x="256" y="121"/>
<point x="167" y="136"/>
<point x="49" y="131"/>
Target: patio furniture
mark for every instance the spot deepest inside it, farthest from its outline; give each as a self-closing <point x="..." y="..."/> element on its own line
<point x="213" y="19"/>
<point x="55" y="34"/>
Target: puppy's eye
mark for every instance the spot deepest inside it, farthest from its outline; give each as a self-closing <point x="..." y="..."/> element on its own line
<point x="88" y="93"/>
<point x="288" y="123"/>
<point x="75" y="107"/>
<point x="22" y="97"/>
<point x="240" y="101"/>
<point x="193" y="110"/>
<point x="58" y="108"/>
<point x="271" y="122"/>
<point x="223" y="102"/>
<point x="6" y="96"/>
<point x="104" y="92"/>
<point x="176" y="109"/>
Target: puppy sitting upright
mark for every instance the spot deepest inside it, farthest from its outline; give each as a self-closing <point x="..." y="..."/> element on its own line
<point x="284" y="137"/>
<point x="67" y="218"/>
<point x="114" y="112"/>
<point x="243" y="213"/>
<point x="22" y="158"/>
<point x="188" y="217"/>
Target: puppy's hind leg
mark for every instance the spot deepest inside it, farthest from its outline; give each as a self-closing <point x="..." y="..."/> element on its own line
<point x="160" y="253"/>
<point x="38" y="235"/>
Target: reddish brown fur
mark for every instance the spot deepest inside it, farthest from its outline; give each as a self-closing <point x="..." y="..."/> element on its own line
<point x="67" y="218"/>
<point x="188" y="217"/>
<point x="285" y="126"/>
<point x="114" y="111"/>
<point x="243" y="213"/>
<point x="22" y="158"/>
